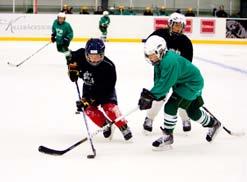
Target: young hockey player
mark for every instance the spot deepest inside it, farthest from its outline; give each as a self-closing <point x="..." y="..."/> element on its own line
<point x="62" y="33"/>
<point x="173" y="70"/>
<point x="103" y="25"/>
<point x="99" y="76"/>
<point x="182" y="45"/>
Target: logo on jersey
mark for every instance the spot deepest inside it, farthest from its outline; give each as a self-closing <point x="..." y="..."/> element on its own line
<point x="59" y="32"/>
<point x="88" y="78"/>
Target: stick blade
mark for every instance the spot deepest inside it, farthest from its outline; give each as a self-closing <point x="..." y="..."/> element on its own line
<point x="11" y="64"/>
<point x="49" y="151"/>
<point x="91" y="156"/>
<point x="239" y="134"/>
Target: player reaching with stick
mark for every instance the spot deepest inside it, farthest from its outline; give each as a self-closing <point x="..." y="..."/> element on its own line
<point x="99" y="76"/>
<point x="181" y="44"/>
<point x="174" y="71"/>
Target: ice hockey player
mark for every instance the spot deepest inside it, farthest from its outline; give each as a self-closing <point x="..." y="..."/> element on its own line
<point x="62" y="33"/>
<point x="173" y="70"/>
<point x="181" y="44"/>
<point x="103" y="25"/>
<point x="99" y="76"/>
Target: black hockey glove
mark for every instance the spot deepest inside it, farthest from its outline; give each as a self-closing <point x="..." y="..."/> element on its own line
<point x="66" y="41"/>
<point x="84" y="103"/>
<point x="53" y="37"/>
<point x="146" y="100"/>
<point x="73" y="72"/>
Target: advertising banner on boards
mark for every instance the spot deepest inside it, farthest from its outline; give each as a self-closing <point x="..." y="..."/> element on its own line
<point x="236" y="28"/>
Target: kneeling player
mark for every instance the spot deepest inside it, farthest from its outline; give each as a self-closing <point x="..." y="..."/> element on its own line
<point x="99" y="76"/>
<point x="174" y="71"/>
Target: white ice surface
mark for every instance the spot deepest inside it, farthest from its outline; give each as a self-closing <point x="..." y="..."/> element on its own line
<point x="37" y="104"/>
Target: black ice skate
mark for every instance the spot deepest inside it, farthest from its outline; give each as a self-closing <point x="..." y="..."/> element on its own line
<point x="186" y="125"/>
<point x="213" y="131"/>
<point x="126" y="132"/>
<point x="107" y="131"/>
<point x="164" y="142"/>
<point x="147" y="126"/>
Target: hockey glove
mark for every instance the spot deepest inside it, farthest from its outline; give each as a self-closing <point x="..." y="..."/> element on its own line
<point x="146" y="100"/>
<point x="84" y="103"/>
<point x="73" y="72"/>
<point x="68" y="57"/>
<point x="66" y="41"/>
<point x="53" y="37"/>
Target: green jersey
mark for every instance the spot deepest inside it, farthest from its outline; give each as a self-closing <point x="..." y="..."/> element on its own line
<point x="61" y="31"/>
<point x="175" y="71"/>
<point x="104" y="21"/>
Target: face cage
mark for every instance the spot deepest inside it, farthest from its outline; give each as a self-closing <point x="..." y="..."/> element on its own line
<point x="63" y="19"/>
<point x="95" y="64"/>
<point x="159" y="55"/>
<point x="183" y="26"/>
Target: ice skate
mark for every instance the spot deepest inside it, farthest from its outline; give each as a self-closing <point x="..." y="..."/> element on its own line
<point x="107" y="132"/>
<point x="186" y="125"/>
<point x="126" y="132"/>
<point x="147" y="126"/>
<point x="213" y="131"/>
<point x="163" y="143"/>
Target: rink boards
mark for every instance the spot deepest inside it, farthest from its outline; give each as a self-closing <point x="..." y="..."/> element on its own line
<point x="202" y="30"/>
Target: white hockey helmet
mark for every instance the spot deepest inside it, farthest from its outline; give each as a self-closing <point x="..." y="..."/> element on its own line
<point x="155" y="45"/>
<point x="61" y="14"/>
<point x="177" y="18"/>
<point x="105" y="13"/>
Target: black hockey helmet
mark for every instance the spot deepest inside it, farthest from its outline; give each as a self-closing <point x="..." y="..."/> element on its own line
<point x="95" y="46"/>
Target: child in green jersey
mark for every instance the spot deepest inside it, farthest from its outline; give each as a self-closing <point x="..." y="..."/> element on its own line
<point x="174" y="71"/>
<point x="62" y="33"/>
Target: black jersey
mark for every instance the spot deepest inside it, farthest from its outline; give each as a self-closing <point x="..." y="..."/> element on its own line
<point x="180" y="43"/>
<point x="99" y="81"/>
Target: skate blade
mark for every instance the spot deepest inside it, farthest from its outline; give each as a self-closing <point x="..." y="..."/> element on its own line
<point x="129" y="141"/>
<point x="146" y="133"/>
<point x="112" y="132"/>
<point x="162" y="148"/>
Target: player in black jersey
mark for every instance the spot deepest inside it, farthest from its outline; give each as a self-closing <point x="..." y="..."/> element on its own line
<point x="99" y="76"/>
<point x="181" y="44"/>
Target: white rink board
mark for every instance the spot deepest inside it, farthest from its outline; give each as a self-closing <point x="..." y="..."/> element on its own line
<point x="86" y="26"/>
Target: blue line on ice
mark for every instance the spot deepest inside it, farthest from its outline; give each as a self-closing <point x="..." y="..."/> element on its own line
<point x="243" y="71"/>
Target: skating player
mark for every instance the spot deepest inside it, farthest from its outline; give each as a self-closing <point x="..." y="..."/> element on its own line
<point x="62" y="33"/>
<point x="103" y="25"/>
<point x="173" y="70"/>
<point x="99" y="76"/>
<point x="182" y="45"/>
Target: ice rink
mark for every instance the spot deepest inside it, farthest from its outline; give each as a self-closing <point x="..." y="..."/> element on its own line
<point x="37" y="106"/>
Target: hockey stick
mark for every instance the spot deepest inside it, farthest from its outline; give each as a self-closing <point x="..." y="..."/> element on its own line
<point x="19" y="64"/>
<point x="90" y="156"/>
<point x="227" y="130"/>
<point x="50" y="151"/>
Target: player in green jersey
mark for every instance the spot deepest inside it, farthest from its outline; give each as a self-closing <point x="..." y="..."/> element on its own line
<point x="62" y="33"/>
<point x="174" y="71"/>
<point x="103" y="24"/>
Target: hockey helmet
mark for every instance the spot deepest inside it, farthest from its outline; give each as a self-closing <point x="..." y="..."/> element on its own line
<point x="177" y="18"/>
<point x="155" y="45"/>
<point x="95" y="46"/>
